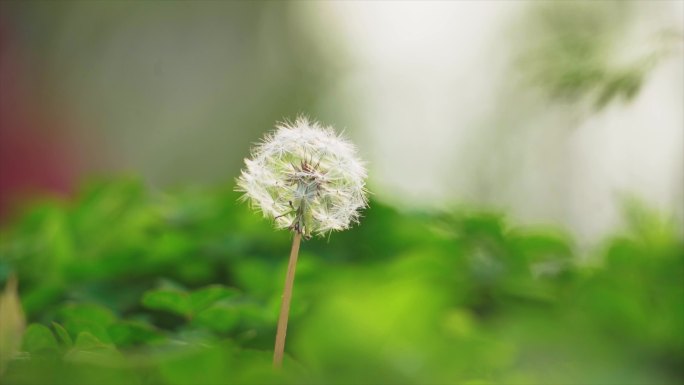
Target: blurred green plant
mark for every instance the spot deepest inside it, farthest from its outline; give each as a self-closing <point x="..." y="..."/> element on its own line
<point x="578" y="50"/>
<point x="122" y="285"/>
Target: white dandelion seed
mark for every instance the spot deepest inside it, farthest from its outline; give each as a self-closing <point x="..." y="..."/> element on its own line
<point x="309" y="180"/>
<point x="306" y="178"/>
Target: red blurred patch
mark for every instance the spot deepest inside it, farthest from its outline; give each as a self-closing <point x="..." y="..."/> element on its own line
<point x="34" y="157"/>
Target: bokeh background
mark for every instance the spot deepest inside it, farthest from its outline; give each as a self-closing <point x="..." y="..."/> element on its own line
<point x="526" y="165"/>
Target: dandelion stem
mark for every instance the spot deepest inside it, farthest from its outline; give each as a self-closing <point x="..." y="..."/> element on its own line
<point x="285" y="305"/>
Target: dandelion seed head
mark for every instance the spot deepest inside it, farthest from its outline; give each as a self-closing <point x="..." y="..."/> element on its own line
<point x="306" y="178"/>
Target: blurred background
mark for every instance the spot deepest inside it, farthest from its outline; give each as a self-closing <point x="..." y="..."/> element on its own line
<point x="526" y="164"/>
<point x="551" y="111"/>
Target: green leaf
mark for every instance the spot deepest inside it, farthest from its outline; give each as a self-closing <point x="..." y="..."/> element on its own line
<point x="174" y="301"/>
<point x="88" y="312"/>
<point x="207" y="296"/>
<point x="89" y="349"/>
<point x="38" y="338"/>
<point x="63" y="335"/>
<point x="221" y="317"/>
<point x="179" y="301"/>
<point x="90" y="318"/>
<point x="86" y="340"/>
<point x="127" y="333"/>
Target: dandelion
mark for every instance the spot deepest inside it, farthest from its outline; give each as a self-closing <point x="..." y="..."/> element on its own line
<point x="309" y="180"/>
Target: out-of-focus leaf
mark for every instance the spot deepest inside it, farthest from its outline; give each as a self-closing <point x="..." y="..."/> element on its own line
<point x="205" y="297"/>
<point x="85" y="317"/>
<point x="128" y="333"/>
<point x="220" y="317"/>
<point x="188" y="304"/>
<point x="39" y="339"/>
<point x="63" y="335"/>
<point x="197" y="366"/>
<point x="12" y="322"/>
<point x="173" y="301"/>
<point x="89" y="349"/>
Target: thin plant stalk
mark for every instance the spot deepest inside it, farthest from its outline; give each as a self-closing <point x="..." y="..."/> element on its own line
<point x="309" y="180"/>
<point x="285" y="305"/>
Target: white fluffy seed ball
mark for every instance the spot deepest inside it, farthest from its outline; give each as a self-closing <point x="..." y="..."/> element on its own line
<point x="306" y="178"/>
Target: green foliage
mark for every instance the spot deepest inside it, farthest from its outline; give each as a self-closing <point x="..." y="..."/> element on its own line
<point x="39" y="338"/>
<point x="124" y="286"/>
<point x="572" y="51"/>
<point x="181" y="302"/>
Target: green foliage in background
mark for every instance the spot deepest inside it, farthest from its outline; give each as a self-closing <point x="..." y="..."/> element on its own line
<point x="127" y="286"/>
<point x="576" y="50"/>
